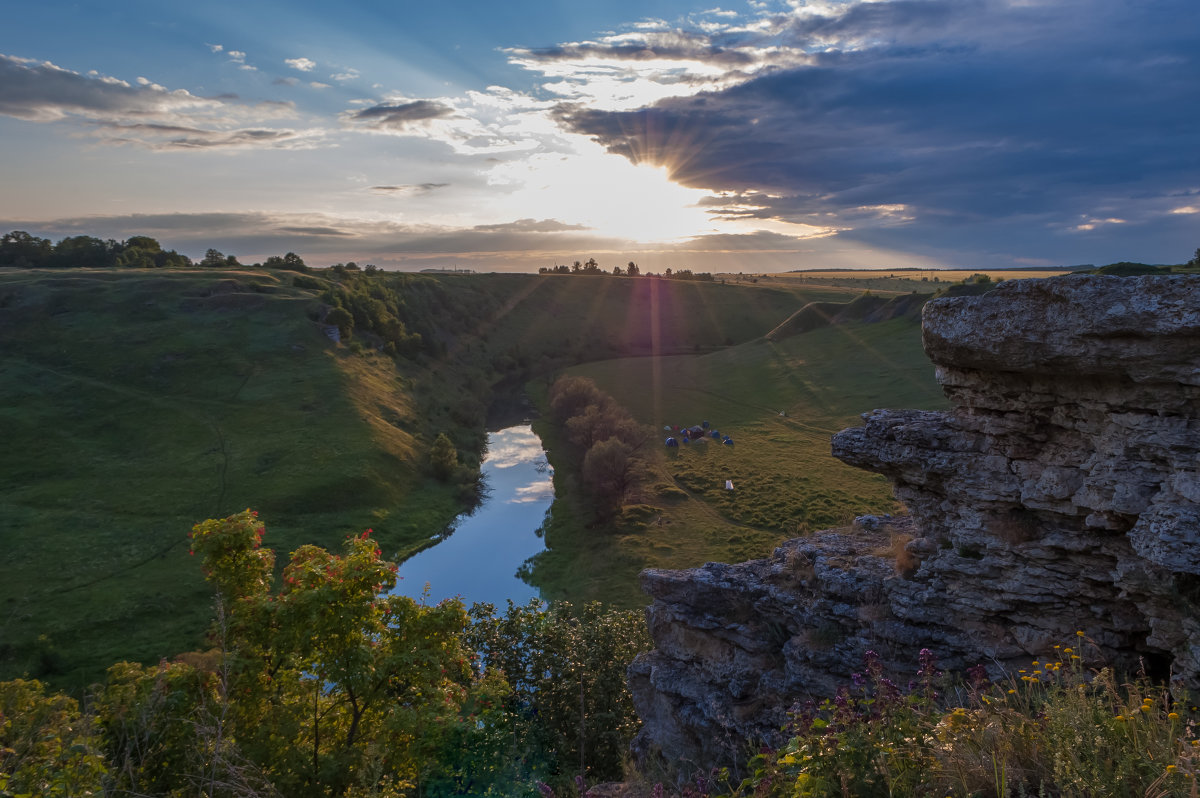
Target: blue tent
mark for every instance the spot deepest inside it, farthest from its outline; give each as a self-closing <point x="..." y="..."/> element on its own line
<point x="716" y="436"/>
<point x="672" y="442"/>
<point x="728" y="441"/>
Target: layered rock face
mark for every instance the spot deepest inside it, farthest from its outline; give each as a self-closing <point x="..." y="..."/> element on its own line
<point x="1061" y="493"/>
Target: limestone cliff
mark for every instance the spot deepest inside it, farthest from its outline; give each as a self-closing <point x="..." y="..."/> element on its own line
<point x="1060" y="493"/>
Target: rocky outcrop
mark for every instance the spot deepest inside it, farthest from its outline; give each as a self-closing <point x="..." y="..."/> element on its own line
<point x="1060" y="493"/>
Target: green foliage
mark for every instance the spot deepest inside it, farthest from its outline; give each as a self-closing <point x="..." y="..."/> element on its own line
<point x="322" y="684"/>
<point x="570" y="710"/>
<point x="307" y="283"/>
<point x="48" y="748"/>
<point x="331" y="663"/>
<point x="1053" y="729"/>
<point x="604" y="441"/>
<point x="22" y="250"/>
<point x="443" y="457"/>
<point x="1130" y="269"/>
<point x="342" y="319"/>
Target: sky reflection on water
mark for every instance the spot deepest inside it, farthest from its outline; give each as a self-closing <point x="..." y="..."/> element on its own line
<point x="479" y="561"/>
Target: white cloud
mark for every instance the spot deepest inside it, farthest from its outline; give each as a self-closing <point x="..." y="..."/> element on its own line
<point x="349" y="74"/>
<point x="513" y="447"/>
<point x="540" y="491"/>
<point x="147" y="114"/>
<point x="302" y="64"/>
<point x="1186" y="209"/>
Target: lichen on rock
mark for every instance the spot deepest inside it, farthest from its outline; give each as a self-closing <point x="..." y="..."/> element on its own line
<point x="1060" y="493"/>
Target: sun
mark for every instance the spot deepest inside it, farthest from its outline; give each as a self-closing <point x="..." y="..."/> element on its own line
<point x="604" y="193"/>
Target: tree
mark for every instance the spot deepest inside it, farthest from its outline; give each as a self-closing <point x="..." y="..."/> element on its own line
<point x="342" y="319"/>
<point x="1195" y="261"/>
<point x="213" y="258"/>
<point x="24" y="251"/>
<point x="336" y="684"/>
<point x="608" y="470"/>
<point x="570" y="395"/>
<point x="443" y="457"/>
<point x="632" y="269"/>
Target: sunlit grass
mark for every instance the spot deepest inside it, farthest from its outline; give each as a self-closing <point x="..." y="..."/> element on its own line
<point x="135" y="404"/>
<point x="781" y="403"/>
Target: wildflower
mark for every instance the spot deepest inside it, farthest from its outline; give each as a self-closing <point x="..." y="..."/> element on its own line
<point x="1119" y="717"/>
<point x="1010" y="692"/>
<point x="1079" y="633"/>
<point x="1069" y="650"/>
<point x="1170" y="768"/>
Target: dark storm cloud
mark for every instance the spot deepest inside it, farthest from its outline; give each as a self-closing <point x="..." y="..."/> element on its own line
<point x="420" y="188"/>
<point x="963" y="112"/>
<point x="401" y="115"/>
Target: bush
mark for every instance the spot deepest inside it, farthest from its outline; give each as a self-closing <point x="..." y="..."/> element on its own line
<point x="1052" y="729"/>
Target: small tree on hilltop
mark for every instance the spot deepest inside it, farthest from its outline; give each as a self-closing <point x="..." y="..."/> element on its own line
<point x="443" y="457"/>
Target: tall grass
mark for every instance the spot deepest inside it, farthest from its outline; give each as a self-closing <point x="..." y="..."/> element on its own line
<point x="1056" y="728"/>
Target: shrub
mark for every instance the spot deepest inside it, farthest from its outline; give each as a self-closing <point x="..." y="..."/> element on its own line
<point x="1052" y="729"/>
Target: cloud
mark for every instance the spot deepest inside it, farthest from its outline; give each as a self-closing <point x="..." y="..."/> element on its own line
<point x="528" y="226"/>
<point x="540" y="491"/>
<point x="932" y="115"/>
<point x="176" y="137"/>
<point x="42" y="92"/>
<point x="348" y="74"/>
<point x="420" y="188"/>
<point x="514" y="446"/>
<point x="301" y="64"/>
<point x="401" y="115"/>
<point x="144" y="113"/>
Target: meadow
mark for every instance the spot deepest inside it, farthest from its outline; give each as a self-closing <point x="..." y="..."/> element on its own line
<point x="780" y="402"/>
<point x="137" y="402"/>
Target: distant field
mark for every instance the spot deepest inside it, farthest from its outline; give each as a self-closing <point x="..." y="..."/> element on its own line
<point x="785" y="480"/>
<point x="891" y="281"/>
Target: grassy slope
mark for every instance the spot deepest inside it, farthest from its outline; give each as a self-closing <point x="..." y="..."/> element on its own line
<point x="784" y="477"/>
<point x="135" y="404"/>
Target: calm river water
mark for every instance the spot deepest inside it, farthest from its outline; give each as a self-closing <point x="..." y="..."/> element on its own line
<point x="479" y="561"/>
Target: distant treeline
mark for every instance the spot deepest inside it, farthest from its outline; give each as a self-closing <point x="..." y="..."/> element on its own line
<point x="631" y="270"/>
<point x="25" y="251"/>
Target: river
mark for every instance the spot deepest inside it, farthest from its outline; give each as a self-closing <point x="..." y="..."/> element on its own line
<point x="479" y="560"/>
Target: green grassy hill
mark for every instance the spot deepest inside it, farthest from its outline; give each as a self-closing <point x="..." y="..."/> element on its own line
<point x="135" y="403"/>
<point x="780" y="402"/>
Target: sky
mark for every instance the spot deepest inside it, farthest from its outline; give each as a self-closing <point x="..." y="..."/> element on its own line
<point x="757" y="136"/>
